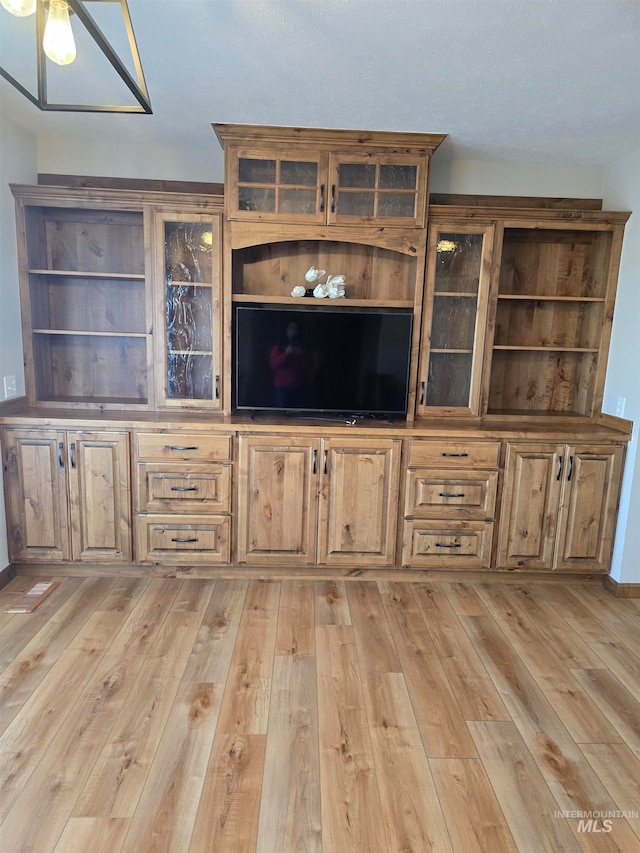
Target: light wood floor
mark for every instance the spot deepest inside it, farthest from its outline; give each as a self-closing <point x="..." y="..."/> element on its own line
<point x="226" y="716"/>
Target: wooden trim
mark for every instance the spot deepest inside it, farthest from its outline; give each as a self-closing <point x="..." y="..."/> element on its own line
<point x="620" y="590"/>
<point x="409" y="241"/>
<point x="612" y="422"/>
<point x="459" y="199"/>
<point x="7" y="574"/>
<point x="490" y="323"/>
<point x="209" y="188"/>
<point x="615" y="252"/>
<point x="114" y="199"/>
<point x="250" y="134"/>
<point x="581" y="430"/>
<point x="531" y="217"/>
<point x="235" y="571"/>
<point x="139" y="184"/>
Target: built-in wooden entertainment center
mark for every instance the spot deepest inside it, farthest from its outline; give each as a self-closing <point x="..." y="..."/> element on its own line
<point x="127" y="454"/>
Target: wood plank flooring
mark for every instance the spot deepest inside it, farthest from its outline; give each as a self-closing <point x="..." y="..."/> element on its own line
<point x="233" y="716"/>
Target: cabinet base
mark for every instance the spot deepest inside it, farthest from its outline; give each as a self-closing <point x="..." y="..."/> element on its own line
<point x="134" y="570"/>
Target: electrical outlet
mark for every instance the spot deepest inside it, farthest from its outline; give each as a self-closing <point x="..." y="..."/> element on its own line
<point x="9" y="387"/>
<point x="620" y="407"/>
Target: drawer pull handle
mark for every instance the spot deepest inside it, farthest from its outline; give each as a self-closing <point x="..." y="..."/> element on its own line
<point x="72" y="453"/>
<point x="455" y="454"/>
<point x="321" y="198"/>
<point x="176" y="539"/>
<point x="452" y="495"/>
<point x="442" y="545"/>
<point x="570" y="468"/>
<point x="423" y="386"/>
<point x="184" y="488"/>
<point x="177" y="447"/>
<point x="560" y="464"/>
<point x="60" y="457"/>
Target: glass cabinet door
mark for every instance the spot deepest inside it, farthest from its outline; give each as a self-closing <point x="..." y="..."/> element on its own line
<point x="189" y="310"/>
<point x="270" y="185"/>
<point x="386" y="189"/>
<point x="455" y="317"/>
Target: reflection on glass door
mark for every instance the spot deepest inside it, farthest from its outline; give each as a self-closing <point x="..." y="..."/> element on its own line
<point x="457" y="286"/>
<point x="191" y="321"/>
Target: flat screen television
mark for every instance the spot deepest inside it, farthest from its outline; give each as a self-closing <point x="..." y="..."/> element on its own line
<point x="342" y="361"/>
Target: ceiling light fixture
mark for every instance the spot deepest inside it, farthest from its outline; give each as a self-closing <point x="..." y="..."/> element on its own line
<point x="55" y="41"/>
<point x="19" y="8"/>
<point x="58" y="42"/>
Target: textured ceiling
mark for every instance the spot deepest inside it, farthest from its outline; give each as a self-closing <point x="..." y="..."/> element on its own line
<point x="520" y="80"/>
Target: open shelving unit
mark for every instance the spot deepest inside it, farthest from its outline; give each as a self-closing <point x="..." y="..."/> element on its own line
<point x="87" y="338"/>
<point x="550" y="317"/>
<point x="374" y="276"/>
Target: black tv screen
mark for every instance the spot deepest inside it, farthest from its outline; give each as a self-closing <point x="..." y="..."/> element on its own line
<point x="325" y="360"/>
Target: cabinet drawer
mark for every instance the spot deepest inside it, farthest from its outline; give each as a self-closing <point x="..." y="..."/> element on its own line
<point x="184" y="488"/>
<point x="442" y="453"/>
<point x="453" y="545"/>
<point x="432" y="493"/>
<point x="183" y="540"/>
<point x="182" y="446"/>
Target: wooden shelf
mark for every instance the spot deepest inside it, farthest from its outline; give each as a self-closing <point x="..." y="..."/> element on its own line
<point x="546" y="349"/>
<point x="189" y="352"/>
<point x="532" y="297"/>
<point x="312" y="300"/>
<point x="85" y="333"/>
<point x="82" y="401"/>
<point x="507" y="414"/>
<point x="453" y="351"/>
<point x="128" y="276"/>
<point x="467" y="295"/>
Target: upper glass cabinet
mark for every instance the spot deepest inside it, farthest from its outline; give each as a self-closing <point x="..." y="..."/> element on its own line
<point x="319" y="188"/>
<point x="456" y="301"/>
<point x="273" y="186"/>
<point x="381" y="189"/>
<point x="282" y="186"/>
<point x="188" y="310"/>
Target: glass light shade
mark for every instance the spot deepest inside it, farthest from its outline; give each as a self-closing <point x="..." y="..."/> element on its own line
<point x="19" y="8"/>
<point x="58" y="42"/>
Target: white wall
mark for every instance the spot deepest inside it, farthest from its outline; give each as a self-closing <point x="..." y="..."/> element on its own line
<point x="622" y="192"/>
<point x="488" y="177"/>
<point x="129" y="160"/>
<point x="621" y="182"/>
<point x="18" y="165"/>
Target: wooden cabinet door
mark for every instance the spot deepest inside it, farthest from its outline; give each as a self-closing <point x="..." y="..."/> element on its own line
<point x="36" y="495"/>
<point x="377" y="189"/>
<point x="455" y="318"/>
<point x="530" y="503"/>
<point x="99" y="496"/>
<point x="276" y="184"/>
<point x="588" y="514"/>
<point x="277" y="500"/>
<point x="359" y="497"/>
<point x="188" y="267"/>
